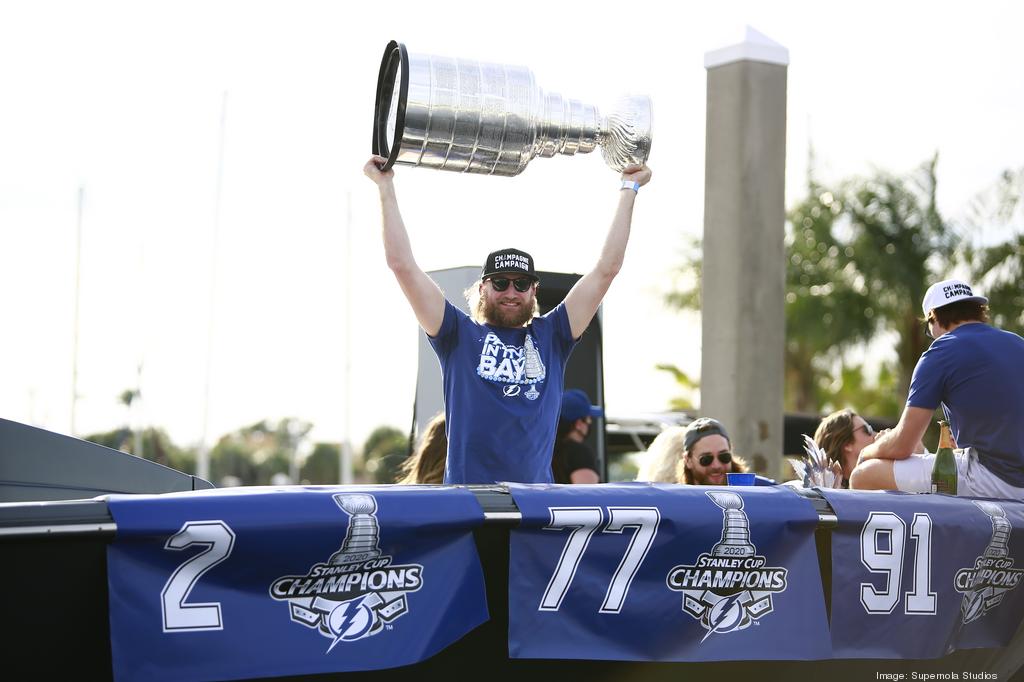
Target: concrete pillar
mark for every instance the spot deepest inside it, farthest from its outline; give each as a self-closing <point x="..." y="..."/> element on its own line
<point x="743" y="286"/>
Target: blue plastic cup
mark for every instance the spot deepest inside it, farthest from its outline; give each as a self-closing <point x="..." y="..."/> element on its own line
<point x="741" y="479"/>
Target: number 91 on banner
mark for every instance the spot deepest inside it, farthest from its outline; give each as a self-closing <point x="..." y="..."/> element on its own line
<point x="935" y="574"/>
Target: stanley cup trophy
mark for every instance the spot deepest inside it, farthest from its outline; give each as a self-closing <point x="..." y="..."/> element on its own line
<point x="735" y="540"/>
<point x="473" y="117"/>
<point x="363" y="535"/>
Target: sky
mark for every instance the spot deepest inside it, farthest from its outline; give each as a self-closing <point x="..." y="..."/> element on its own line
<point x="230" y="263"/>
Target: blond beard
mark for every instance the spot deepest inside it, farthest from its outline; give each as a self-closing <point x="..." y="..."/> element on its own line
<point x="497" y="317"/>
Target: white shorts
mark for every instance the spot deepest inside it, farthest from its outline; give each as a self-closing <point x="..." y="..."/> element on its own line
<point x="914" y="475"/>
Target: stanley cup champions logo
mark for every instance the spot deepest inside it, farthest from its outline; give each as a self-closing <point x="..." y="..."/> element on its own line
<point x="993" y="574"/>
<point x="357" y="591"/>
<point x="730" y="587"/>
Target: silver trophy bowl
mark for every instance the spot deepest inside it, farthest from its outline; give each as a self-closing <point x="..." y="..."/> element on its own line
<point x="474" y="117"/>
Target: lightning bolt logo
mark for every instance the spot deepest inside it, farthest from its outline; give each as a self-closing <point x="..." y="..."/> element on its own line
<point x="724" y="609"/>
<point x="349" y="611"/>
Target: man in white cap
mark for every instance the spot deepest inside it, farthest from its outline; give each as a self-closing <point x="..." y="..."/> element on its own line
<point x="975" y="372"/>
<point x="502" y="370"/>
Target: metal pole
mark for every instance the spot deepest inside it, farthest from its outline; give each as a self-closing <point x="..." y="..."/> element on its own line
<point x="74" y="334"/>
<point x="345" y="453"/>
<point x="136" y="408"/>
<point x="203" y="458"/>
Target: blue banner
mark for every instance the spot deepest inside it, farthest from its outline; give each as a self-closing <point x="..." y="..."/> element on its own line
<point x="263" y="582"/>
<point x="645" y="572"/>
<point x="919" y="576"/>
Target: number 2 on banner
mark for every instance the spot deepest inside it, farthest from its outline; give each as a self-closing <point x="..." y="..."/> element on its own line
<point x="584" y="521"/>
<point x="182" y="617"/>
<point x="920" y="600"/>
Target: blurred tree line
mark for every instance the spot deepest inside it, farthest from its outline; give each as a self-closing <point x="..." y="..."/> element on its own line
<point x="268" y="452"/>
<point x="860" y="256"/>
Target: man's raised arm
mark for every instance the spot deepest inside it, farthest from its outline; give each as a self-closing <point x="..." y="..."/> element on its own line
<point x="582" y="301"/>
<point x="423" y="295"/>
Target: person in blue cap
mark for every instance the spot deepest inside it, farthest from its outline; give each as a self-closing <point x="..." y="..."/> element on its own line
<point x="573" y="461"/>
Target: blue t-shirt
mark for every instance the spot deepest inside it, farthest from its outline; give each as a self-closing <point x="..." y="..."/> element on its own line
<point x="976" y="372"/>
<point x="502" y="395"/>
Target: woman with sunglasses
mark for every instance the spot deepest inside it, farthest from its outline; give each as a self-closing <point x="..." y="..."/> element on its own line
<point x="842" y="435"/>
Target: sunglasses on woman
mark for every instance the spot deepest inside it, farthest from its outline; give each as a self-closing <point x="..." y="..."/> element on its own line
<point x="723" y="457"/>
<point x="867" y="429"/>
<point x="522" y="284"/>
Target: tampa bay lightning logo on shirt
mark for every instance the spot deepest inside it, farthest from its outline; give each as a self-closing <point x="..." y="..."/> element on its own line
<point x="507" y="364"/>
<point x="358" y="590"/>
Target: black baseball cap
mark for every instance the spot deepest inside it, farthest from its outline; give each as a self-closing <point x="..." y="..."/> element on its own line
<point x="509" y="261"/>
<point x="704" y="426"/>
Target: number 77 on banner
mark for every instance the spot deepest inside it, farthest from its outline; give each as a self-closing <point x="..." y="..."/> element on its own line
<point x="583" y="522"/>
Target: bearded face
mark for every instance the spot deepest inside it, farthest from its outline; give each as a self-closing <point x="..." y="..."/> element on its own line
<point x="705" y="460"/>
<point x="509" y="308"/>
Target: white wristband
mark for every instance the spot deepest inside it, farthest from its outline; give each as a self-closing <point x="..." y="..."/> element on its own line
<point x="629" y="184"/>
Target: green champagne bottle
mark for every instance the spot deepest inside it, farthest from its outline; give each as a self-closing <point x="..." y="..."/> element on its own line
<point x="944" y="472"/>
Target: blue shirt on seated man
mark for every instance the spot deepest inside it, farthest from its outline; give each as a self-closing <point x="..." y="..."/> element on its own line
<point x="975" y="372"/>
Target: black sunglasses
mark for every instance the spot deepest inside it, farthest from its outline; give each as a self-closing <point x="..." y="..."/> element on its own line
<point x="522" y="284"/>
<point x="723" y="457"/>
<point x="868" y="429"/>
